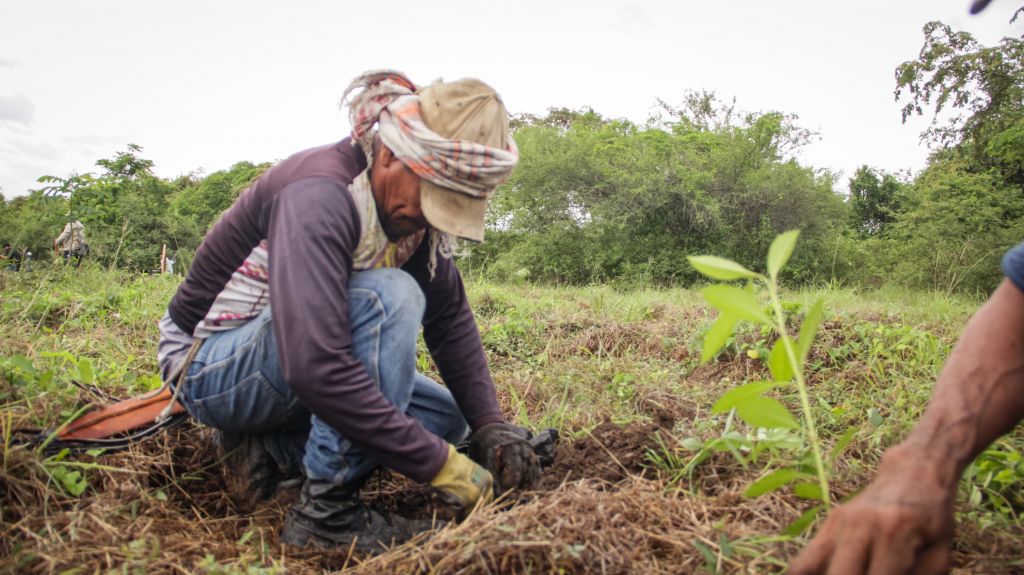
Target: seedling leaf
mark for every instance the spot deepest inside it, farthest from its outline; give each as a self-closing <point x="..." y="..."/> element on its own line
<point x="720" y="268"/>
<point x="710" y="557"/>
<point x="780" y="250"/>
<point x="45" y="379"/>
<point x="725" y="546"/>
<point x="807" y="491"/>
<point x="24" y="364"/>
<point x="737" y="302"/>
<point x="843" y="442"/>
<point x="691" y="443"/>
<point x="73" y="481"/>
<point x="773" y="481"/>
<point x="778" y="363"/>
<point x="875" y="418"/>
<point x="741" y="394"/>
<point x="803" y="522"/>
<point x="809" y="329"/>
<point x="85" y="372"/>
<point x="717" y="335"/>
<point x="766" y="412"/>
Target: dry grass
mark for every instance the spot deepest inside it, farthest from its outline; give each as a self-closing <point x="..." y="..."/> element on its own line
<point x="167" y="510"/>
<point x="590" y="526"/>
<point x="603" y="511"/>
<point x="559" y="357"/>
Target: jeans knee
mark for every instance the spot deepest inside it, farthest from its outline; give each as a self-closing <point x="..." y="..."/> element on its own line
<point x="399" y="293"/>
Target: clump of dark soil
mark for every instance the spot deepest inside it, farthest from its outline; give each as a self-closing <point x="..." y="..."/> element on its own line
<point x="608" y="452"/>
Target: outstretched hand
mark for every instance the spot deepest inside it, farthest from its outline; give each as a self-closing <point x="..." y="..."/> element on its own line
<point x="902" y="523"/>
<point x="504" y="450"/>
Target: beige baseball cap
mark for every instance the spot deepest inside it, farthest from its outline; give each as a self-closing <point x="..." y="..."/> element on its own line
<point x="471" y="110"/>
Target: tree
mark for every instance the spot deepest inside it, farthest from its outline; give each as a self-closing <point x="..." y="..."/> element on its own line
<point x="595" y="199"/>
<point x="127" y="165"/>
<point x="198" y="202"/>
<point x="955" y="229"/>
<point x="31" y="222"/>
<point x="129" y="212"/>
<point x="201" y="202"/>
<point x="975" y="95"/>
<point x="123" y="208"/>
<point x="965" y="209"/>
<point x="874" y="201"/>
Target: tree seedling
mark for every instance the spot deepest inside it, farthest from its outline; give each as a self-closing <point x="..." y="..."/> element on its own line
<point x="785" y="361"/>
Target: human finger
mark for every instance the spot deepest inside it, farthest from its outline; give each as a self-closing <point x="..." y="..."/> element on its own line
<point x="936" y="560"/>
<point x="892" y="556"/>
<point x="851" y="554"/>
<point x="814" y="558"/>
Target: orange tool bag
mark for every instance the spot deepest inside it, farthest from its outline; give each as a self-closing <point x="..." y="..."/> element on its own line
<point x="117" y="425"/>
<point x="123" y="417"/>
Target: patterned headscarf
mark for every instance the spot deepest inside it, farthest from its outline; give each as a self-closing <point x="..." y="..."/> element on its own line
<point x="388" y="99"/>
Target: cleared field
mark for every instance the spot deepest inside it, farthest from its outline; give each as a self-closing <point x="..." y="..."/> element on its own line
<point x="646" y="479"/>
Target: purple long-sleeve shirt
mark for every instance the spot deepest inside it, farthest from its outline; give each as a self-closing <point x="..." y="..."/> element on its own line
<point x="303" y="208"/>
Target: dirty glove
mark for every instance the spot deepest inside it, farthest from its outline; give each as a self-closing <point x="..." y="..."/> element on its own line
<point x="505" y="451"/>
<point x="463" y="483"/>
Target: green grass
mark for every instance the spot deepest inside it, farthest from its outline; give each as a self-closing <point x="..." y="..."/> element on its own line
<point x="562" y="357"/>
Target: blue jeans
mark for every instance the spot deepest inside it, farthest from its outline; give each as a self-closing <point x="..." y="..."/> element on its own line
<point x="235" y="382"/>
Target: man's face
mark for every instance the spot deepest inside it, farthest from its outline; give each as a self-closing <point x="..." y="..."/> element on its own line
<point x="396" y="191"/>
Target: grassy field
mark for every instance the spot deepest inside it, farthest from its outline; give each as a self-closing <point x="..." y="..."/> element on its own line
<point x="647" y="479"/>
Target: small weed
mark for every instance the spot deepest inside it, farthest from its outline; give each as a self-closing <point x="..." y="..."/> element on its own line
<point x="996" y="479"/>
<point x="514" y="337"/>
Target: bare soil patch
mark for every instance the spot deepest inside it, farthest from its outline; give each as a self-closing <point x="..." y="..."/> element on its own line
<point x="608" y="452"/>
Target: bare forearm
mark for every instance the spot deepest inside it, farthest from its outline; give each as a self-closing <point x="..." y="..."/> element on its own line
<point x="980" y="393"/>
<point x="903" y="521"/>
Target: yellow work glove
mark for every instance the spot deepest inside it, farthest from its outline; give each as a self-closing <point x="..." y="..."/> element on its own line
<point x="462" y="482"/>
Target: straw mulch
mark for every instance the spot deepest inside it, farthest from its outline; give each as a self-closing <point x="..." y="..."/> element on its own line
<point x="593" y="527"/>
<point x="164" y="508"/>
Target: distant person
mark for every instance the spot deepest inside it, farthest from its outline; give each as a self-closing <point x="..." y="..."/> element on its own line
<point x="71" y="244"/>
<point x="296" y="325"/>
<point x="11" y="258"/>
<point x="903" y="521"/>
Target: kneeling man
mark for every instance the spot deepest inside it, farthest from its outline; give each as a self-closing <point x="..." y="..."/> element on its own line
<point x="295" y="331"/>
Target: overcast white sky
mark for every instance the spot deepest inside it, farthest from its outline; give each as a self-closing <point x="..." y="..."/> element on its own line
<point x="204" y="84"/>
